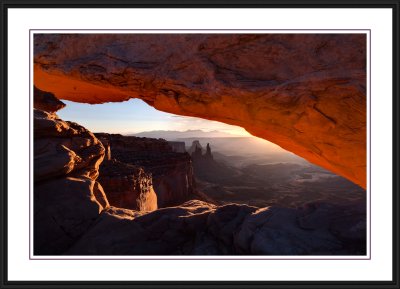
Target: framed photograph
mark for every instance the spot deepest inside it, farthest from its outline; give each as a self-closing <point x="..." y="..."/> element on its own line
<point x="199" y="144"/>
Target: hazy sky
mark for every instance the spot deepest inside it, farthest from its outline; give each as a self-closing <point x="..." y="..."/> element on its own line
<point x="135" y="116"/>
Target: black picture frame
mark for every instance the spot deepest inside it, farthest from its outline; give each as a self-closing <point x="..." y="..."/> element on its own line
<point x="326" y="4"/>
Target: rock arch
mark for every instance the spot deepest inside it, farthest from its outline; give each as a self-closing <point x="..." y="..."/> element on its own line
<point x="304" y="92"/>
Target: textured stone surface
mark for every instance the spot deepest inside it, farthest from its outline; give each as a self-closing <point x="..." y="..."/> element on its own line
<point x="200" y="228"/>
<point x="64" y="148"/>
<point x="303" y="92"/>
<point x="127" y="186"/>
<point x="306" y="93"/>
<point x="171" y="172"/>
<point x="46" y="101"/>
<point x="67" y="197"/>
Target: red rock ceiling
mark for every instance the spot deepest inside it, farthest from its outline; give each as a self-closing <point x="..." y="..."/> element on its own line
<point x="306" y="93"/>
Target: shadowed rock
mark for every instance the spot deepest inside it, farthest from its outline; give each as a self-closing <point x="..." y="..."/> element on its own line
<point x="199" y="228"/>
<point x="46" y="101"/>
<point x="67" y="198"/>
<point x="64" y="209"/>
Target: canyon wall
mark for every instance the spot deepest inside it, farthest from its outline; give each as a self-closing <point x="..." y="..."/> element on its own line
<point x="171" y="172"/>
<point x="127" y="186"/>
<point x="304" y="92"/>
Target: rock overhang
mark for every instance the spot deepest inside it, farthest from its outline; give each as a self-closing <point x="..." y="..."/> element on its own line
<point x="303" y="92"/>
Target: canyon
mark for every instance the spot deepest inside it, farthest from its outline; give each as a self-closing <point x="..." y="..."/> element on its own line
<point x="303" y="92"/>
<point x="255" y="179"/>
<point x="109" y="194"/>
<point x="171" y="172"/>
<point x="94" y="194"/>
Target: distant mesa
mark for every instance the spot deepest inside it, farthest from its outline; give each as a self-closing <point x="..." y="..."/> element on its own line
<point x="208" y="154"/>
<point x="197" y="152"/>
<point x="196" y="146"/>
<point x="177" y="146"/>
<point x="206" y="168"/>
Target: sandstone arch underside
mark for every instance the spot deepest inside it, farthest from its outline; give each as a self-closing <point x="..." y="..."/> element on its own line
<point x="303" y="92"/>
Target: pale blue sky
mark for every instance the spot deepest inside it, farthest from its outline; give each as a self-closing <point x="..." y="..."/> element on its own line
<point x="135" y="116"/>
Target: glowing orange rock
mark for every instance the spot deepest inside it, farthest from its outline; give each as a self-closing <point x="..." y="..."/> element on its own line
<point x="304" y="92"/>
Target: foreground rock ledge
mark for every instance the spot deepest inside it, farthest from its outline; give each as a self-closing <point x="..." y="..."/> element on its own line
<point x="200" y="228"/>
<point x="306" y="93"/>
